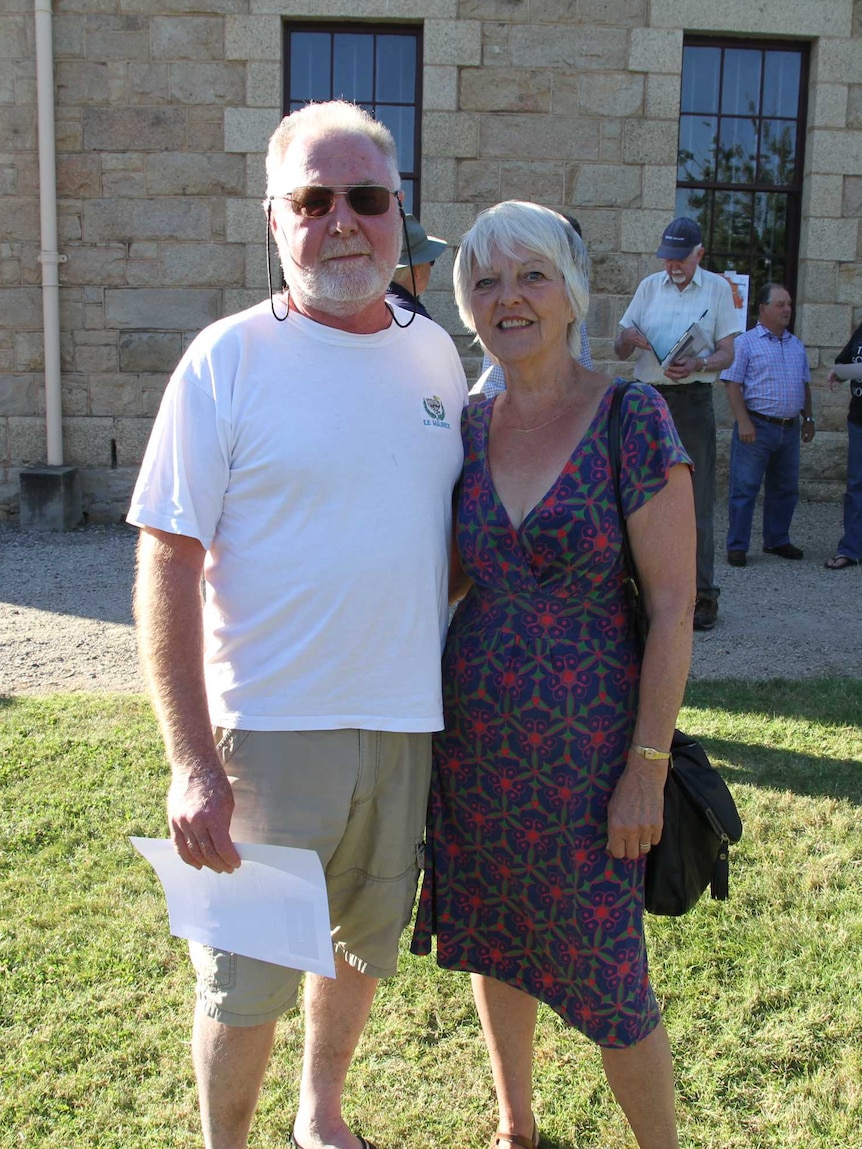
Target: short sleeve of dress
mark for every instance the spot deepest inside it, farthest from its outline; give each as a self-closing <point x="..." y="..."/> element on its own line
<point x="650" y="445"/>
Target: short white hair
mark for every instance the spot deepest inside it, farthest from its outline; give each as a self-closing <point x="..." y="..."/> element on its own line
<point x="514" y="224"/>
<point x="332" y="118"/>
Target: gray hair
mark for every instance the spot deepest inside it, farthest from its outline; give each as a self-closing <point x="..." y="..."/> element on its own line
<point x="332" y="118"/>
<point x="516" y="223"/>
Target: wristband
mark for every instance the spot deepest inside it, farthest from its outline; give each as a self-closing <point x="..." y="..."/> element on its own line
<point x="650" y="752"/>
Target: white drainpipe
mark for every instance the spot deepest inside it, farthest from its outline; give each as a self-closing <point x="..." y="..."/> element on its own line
<point x="49" y="257"/>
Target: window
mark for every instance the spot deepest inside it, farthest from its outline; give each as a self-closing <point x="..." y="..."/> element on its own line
<point x="377" y="67"/>
<point x="739" y="166"/>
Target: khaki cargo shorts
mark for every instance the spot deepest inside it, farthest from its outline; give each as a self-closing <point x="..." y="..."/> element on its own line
<point x="357" y="797"/>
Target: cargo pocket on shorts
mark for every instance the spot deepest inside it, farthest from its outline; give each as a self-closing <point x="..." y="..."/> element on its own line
<point x="215" y="969"/>
<point x="228" y="741"/>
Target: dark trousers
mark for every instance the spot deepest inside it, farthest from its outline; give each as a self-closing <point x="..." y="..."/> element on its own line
<point x="690" y="404"/>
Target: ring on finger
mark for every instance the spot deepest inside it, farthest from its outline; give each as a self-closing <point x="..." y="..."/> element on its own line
<point x="645" y="846"/>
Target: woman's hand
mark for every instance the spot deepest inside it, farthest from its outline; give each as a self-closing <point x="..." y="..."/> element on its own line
<point x="636" y="808"/>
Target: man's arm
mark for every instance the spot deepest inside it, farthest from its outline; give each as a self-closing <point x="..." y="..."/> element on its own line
<point x="168" y="610"/>
<point x="747" y="432"/>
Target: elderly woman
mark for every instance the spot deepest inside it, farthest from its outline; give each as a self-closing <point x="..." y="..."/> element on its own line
<point x="548" y="780"/>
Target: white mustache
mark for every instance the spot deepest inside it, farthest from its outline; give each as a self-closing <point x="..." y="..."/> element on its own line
<point x="336" y="251"/>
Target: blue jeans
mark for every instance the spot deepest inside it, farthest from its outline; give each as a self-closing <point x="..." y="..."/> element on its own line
<point x="774" y="455"/>
<point x="851" y="540"/>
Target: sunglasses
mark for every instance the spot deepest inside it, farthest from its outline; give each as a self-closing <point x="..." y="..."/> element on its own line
<point x="315" y="202"/>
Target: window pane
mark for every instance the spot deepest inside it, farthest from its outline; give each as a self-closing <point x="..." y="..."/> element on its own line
<point x="400" y="122"/>
<point x="396" y="68"/>
<point x="407" y="188"/>
<point x="737" y="151"/>
<point x="770" y="222"/>
<point x="777" y="152"/>
<point x="696" y="205"/>
<point x="781" y="84"/>
<point x="701" y="68"/>
<point x="731" y="231"/>
<point x="310" y="77"/>
<point x="696" y="159"/>
<point x="353" y="67"/>
<point x="740" y="92"/>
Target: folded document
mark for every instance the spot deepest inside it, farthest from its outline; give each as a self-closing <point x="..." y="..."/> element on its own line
<point x="273" y="907"/>
<point x="692" y="343"/>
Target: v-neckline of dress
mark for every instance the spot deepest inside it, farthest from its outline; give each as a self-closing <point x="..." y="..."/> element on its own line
<point x="564" y="470"/>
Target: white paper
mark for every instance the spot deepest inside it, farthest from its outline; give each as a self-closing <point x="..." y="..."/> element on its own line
<point x="273" y="907"/>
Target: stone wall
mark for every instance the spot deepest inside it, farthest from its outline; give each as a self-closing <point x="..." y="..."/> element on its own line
<point x="163" y="110"/>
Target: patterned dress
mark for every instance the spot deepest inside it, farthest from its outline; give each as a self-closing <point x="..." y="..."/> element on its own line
<point x="540" y="696"/>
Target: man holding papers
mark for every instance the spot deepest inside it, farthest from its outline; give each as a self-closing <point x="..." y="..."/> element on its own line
<point x="682" y="322"/>
<point x="302" y="463"/>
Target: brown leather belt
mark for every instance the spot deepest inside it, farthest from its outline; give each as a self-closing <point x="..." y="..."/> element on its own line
<point x="774" y="419"/>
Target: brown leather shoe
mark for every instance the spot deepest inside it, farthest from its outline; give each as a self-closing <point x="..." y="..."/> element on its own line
<point x="705" y="612"/>
<point x="737" y="558"/>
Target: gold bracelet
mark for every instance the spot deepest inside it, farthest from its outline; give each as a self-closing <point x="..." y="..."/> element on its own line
<point x="650" y="752"/>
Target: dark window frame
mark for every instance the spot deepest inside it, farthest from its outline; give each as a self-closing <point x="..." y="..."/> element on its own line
<point x="791" y="191"/>
<point x="374" y="29"/>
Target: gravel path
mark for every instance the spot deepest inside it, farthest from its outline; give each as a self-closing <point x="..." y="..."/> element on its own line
<point x="66" y="624"/>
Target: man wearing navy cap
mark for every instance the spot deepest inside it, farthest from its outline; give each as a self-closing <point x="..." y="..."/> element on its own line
<point x="418" y="255"/>
<point x="663" y="307"/>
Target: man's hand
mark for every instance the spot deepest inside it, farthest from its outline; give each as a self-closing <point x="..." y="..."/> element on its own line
<point x="681" y="369"/>
<point x="200" y="805"/>
<point x="627" y="340"/>
<point x="807" y="432"/>
<point x="745" y="430"/>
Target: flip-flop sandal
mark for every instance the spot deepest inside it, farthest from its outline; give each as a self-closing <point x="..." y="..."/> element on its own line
<point x="840" y="563"/>
<point x="363" y="1144"/>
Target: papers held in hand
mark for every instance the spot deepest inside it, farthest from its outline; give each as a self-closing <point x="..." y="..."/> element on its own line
<point x="692" y="343"/>
<point x="273" y="907"/>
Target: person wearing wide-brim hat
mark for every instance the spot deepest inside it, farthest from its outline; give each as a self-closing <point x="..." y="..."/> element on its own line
<point x="422" y="250"/>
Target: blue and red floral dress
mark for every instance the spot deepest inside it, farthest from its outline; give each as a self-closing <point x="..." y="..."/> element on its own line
<point x="540" y="678"/>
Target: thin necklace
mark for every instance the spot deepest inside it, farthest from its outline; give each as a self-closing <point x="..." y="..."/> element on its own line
<point x="547" y="423"/>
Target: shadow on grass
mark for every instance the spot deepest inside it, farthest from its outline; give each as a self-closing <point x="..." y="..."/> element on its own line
<point x="808" y="775"/>
<point x="826" y="700"/>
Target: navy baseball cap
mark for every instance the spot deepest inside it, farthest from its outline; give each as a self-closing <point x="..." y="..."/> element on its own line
<point x="680" y="239"/>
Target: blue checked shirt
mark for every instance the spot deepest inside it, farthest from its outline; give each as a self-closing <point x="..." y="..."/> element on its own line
<point x="771" y="370"/>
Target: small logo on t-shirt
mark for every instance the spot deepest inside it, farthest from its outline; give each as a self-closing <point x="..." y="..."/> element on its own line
<point x="434" y="408"/>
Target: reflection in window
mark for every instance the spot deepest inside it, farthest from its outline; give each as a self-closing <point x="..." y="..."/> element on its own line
<point x="739" y="168"/>
<point x="377" y="67"/>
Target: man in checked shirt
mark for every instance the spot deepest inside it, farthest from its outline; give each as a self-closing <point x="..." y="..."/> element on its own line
<point x="768" y="389"/>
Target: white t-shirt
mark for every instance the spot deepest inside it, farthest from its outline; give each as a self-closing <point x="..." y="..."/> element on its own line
<point x="316" y="467"/>
<point x="663" y="313"/>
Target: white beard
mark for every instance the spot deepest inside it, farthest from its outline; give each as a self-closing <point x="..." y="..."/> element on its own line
<point x="336" y="288"/>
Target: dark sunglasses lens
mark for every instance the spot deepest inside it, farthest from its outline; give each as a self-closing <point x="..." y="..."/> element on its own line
<point x="370" y="200"/>
<point x="312" y="202"/>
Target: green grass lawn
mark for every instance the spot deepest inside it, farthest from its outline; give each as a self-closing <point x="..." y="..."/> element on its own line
<point x="762" y="995"/>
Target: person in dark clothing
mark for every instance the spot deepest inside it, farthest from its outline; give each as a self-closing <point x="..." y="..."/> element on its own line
<point x="421" y="250"/>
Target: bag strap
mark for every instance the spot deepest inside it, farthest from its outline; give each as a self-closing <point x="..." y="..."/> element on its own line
<point x="631" y="579"/>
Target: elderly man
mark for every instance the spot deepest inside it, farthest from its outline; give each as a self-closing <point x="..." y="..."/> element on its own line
<point x="303" y="462"/>
<point x="413" y="273"/>
<point x="663" y="308"/>
<point x="768" y="390"/>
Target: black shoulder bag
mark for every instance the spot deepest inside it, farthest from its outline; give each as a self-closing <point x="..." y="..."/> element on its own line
<point x="700" y="816"/>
